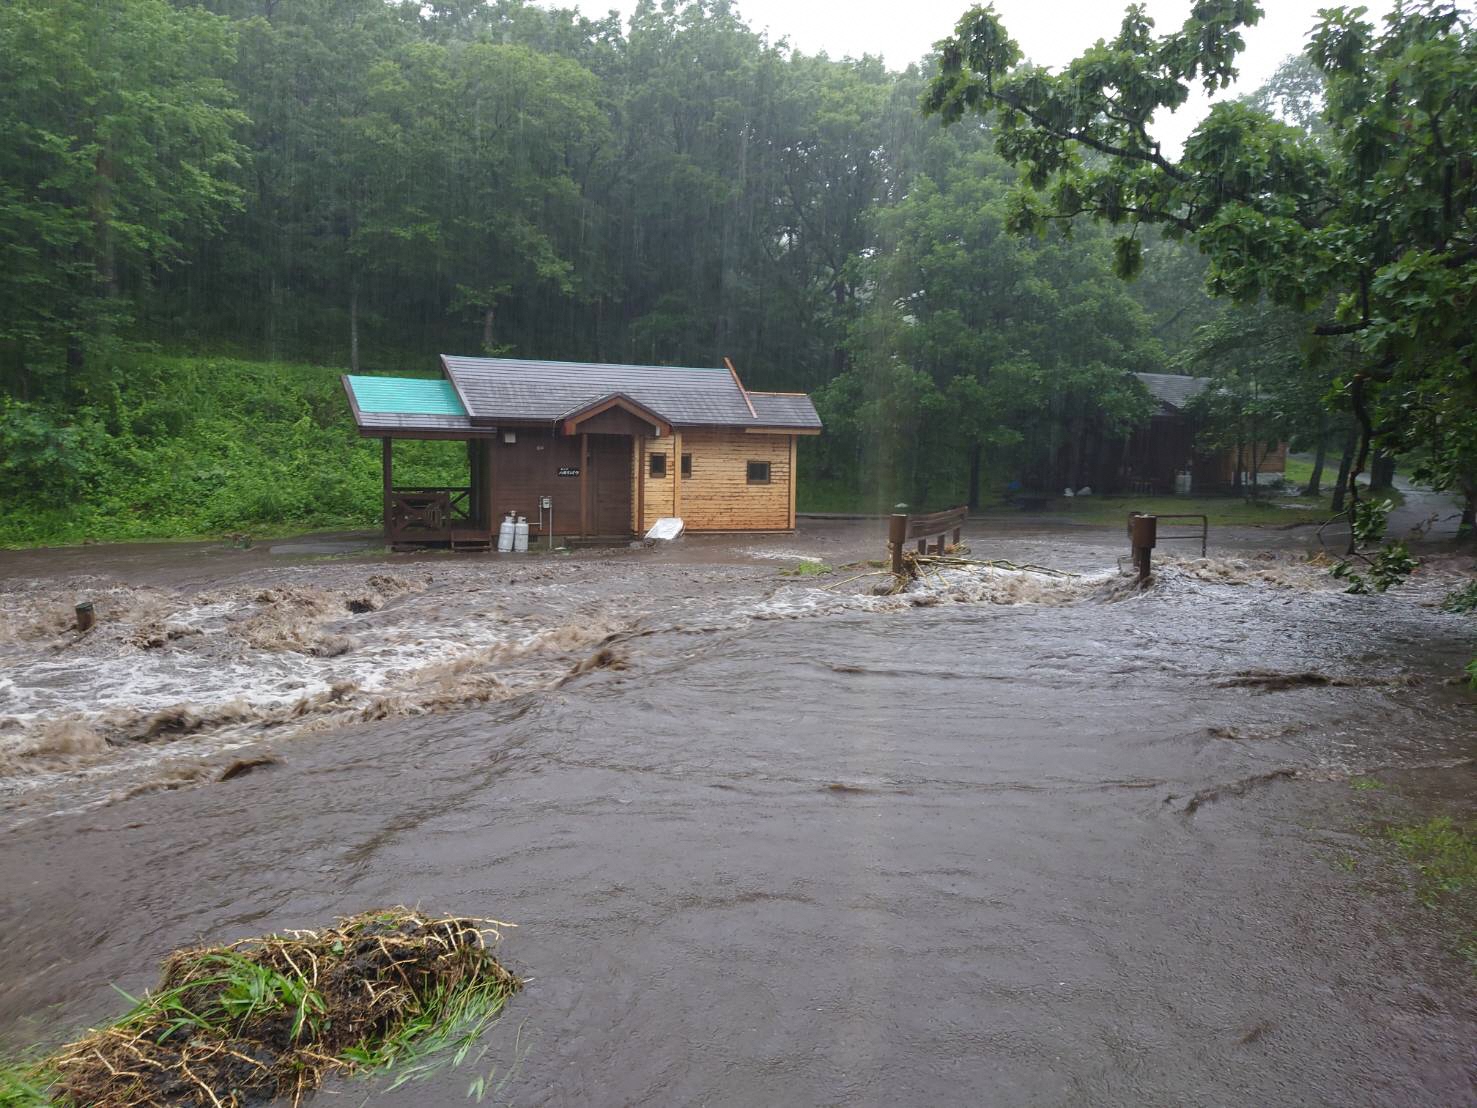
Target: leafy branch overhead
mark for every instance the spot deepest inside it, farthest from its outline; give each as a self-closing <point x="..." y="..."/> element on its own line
<point x="1373" y="215"/>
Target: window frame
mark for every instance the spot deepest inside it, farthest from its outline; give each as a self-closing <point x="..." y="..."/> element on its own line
<point x="684" y="466"/>
<point x="767" y="479"/>
<point x="654" y="459"/>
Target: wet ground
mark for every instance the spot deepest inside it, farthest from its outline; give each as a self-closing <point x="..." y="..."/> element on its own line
<point x="1007" y="838"/>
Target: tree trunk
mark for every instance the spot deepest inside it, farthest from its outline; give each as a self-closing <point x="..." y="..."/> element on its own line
<point x="1467" y="528"/>
<point x="1315" y="482"/>
<point x="1382" y="472"/>
<point x="975" y="453"/>
<point x="354" y="327"/>
<point x="487" y="318"/>
<point x="1345" y="462"/>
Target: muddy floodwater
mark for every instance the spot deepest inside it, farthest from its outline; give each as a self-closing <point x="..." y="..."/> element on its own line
<point x="1007" y="838"/>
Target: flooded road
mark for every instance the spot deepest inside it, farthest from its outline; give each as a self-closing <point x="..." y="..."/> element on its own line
<point x="1008" y="838"/>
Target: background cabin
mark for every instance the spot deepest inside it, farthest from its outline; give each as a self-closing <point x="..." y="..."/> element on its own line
<point x="613" y="447"/>
<point x="1169" y="444"/>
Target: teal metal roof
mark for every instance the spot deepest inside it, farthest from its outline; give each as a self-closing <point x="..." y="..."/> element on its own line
<point x="405" y="396"/>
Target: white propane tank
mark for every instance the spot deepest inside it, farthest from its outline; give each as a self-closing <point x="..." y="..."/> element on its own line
<point x="505" y="534"/>
<point x="520" y="536"/>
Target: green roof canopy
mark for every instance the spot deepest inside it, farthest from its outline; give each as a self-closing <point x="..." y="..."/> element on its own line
<point x="405" y="396"/>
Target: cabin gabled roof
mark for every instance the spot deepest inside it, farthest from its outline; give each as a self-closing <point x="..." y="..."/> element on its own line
<point x="614" y="400"/>
<point x="1172" y="390"/>
<point x="523" y="391"/>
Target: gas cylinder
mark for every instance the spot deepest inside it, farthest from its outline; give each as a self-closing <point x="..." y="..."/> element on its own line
<point x="520" y="536"/>
<point x="505" y="534"/>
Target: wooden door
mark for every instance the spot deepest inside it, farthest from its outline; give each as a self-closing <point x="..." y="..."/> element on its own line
<point x="609" y="484"/>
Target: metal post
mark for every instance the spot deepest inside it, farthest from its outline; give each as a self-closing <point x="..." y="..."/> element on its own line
<point x="1143" y="533"/>
<point x="897" y="534"/>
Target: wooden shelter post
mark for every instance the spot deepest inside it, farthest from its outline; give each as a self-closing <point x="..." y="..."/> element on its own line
<point x="387" y="468"/>
<point x="482" y="484"/>
<point x="793" y="441"/>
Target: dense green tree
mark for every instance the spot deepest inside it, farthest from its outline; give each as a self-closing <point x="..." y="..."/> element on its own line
<point x="1019" y="350"/>
<point x="1376" y="216"/>
<point x="119" y="151"/>
<point x="366" y="183"/>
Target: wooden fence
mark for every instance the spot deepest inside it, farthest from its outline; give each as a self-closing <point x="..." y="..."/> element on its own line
<point x="1182" y="528"/>
<point x="903" y="529"/>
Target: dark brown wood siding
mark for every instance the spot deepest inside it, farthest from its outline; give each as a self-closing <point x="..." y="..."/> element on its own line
<point x="528" y="469"/>
<point x="610" y="484"/>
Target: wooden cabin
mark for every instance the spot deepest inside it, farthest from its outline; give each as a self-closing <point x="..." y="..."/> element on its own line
<point x="612" y="448"/>
<point x="1169" y="444"/>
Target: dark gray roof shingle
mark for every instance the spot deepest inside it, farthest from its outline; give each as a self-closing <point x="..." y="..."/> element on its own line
<point x="785" y="409"/>
<point x="1172" y="389"/>
<point x="517" y="389"/>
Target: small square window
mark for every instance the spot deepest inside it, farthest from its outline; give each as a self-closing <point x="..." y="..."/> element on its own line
<point x="758" y="473"/>
<point x="687" y="465"/>
<point x="658" y="465"/>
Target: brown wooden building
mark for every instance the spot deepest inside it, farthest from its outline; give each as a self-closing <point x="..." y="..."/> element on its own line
<point x="1168" y="445"/>
<point x="613" y="447"/>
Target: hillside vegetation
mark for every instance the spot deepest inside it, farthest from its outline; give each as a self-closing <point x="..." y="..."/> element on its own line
<point x="187" y="447"/>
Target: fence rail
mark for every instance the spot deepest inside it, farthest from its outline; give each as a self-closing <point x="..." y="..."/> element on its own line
<point x="1188" y="532"/>
<point x="903" y="529"/>
<point x="428" y="512"/>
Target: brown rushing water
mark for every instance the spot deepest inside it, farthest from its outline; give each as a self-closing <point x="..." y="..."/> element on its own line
<point x="1007" y="840"/>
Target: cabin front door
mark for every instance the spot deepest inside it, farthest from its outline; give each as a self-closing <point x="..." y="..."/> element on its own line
<point x="608" y="484"/>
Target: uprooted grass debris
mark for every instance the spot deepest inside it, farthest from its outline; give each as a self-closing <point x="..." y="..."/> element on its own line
<point x="268" y="1018"/>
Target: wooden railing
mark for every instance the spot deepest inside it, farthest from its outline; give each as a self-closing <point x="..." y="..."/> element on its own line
<point x="1190" y="528"/>
<point x="903" y="529"/>
<point x="429" y="512"/>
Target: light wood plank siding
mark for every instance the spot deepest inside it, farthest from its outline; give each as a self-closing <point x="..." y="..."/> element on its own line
<point x="718" y="496"/>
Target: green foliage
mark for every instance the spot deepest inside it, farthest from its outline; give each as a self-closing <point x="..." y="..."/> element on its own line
<point x="351" y="181"/>
<point x="41" y="454"/>
<point x="1463" y="599"/>
<point x="978" y="344"/>
<point x="187" y="447"/>
<point x="1383" y="566"/>
<point x="24" y="1085"/>
<point x="1372" y="213"/>
<point x="120" y="152"/>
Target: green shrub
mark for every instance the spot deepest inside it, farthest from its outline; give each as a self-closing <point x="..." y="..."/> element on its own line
<point x="188" y="447"/>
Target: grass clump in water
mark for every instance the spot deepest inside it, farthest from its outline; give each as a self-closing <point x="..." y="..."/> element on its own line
<point x="1444" y="852"/>
<point x="272" y="1017"/>
<point x="807" y="569"/>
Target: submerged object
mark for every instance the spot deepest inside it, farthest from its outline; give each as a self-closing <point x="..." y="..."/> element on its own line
<point x="667" y="528"/>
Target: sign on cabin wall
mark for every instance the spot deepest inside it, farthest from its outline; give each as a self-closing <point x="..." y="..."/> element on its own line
<point x="569" y="471"/>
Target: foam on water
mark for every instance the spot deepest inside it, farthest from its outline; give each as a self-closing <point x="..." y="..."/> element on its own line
<point x="172" y="678"/>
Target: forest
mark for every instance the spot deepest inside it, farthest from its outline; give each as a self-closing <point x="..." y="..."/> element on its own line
<point x="211" y="208"/>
